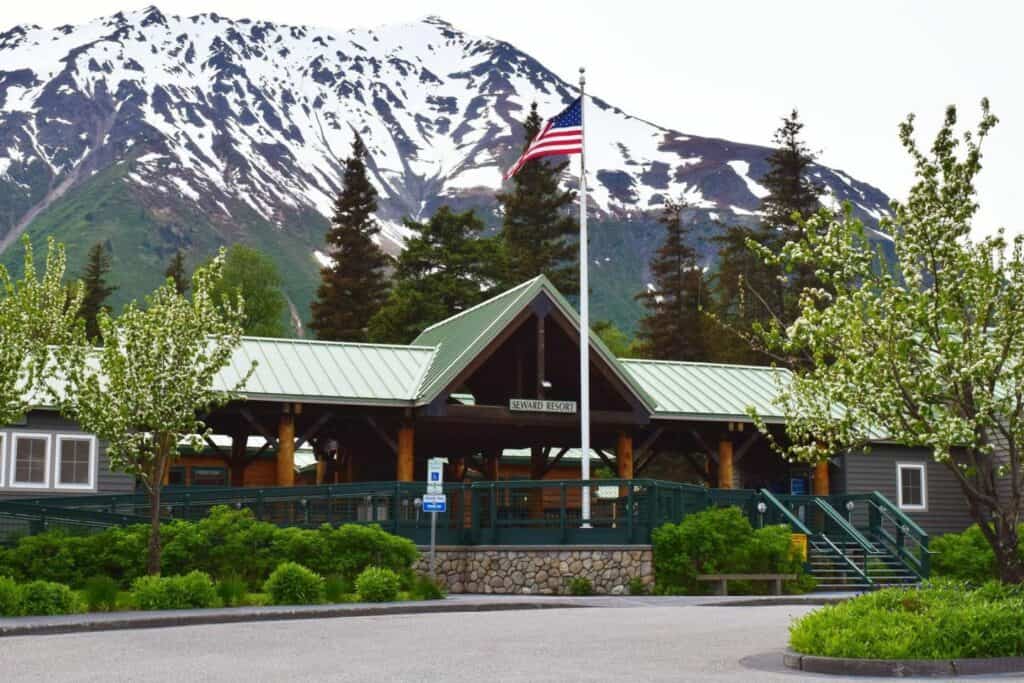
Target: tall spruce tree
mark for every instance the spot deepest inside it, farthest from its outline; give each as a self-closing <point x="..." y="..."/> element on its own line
<point x="95" y="289"/>
<point x="751" y="294"/>
<point x="354" y="286"/>
<point x="447" y="268"/>
<point x="792" y="198"/>
<point x="673" y="327"/>
<point x="177" y="272"/>
<point x="536" y="226"/>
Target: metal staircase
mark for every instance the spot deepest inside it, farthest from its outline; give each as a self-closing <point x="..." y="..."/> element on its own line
<point x="873" y="545"/>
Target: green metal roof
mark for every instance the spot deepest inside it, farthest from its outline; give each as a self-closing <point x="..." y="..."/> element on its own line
<point x="327" y="372"/>
<point x="462" y="337"/>
<point x="708" y="391"/>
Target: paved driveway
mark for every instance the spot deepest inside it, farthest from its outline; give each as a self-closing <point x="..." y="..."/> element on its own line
<point x="678" y="642"/>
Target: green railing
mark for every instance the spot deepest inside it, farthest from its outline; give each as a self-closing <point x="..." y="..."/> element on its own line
<point x="503" y="512"/>
<point x="890" y="527"/>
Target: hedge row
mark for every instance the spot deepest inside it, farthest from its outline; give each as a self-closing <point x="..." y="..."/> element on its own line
<point x="227" y="544"/>
<point x="289" y="584"/>
<point x="721" y="540"/>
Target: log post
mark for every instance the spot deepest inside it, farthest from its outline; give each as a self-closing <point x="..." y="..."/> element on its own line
<point x="820" y="486"/>
<point x="404" y="468"/>
<point x="492" y="466"/>
<point x="624" y="455"/>
<point x="286" y="447"/>
<point x="725" y="463"/>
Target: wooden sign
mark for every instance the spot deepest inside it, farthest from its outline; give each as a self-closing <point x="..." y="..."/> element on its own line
<point x="537" y="405"/>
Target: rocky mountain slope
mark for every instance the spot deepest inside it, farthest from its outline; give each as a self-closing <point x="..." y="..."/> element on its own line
<point x="153" y="132"/>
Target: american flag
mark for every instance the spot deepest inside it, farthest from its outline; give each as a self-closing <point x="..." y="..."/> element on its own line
<point x="560" y="135"/>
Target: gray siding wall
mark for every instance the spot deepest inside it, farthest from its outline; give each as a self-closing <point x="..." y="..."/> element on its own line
<point x="53" y="424"/>
<point x="946" y="507"/>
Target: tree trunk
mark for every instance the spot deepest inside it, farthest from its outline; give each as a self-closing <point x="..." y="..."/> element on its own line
<point x="153" y="562"/>
<point x="1009" y="563"/>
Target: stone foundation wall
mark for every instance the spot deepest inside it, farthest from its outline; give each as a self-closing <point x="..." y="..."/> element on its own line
<point x="539" y="570"/>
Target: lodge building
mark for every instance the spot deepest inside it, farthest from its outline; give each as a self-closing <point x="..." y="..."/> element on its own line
<point x="494" y="390"/>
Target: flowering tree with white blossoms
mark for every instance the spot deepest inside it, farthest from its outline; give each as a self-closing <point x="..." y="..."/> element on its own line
<point x="145" y="390"/>
<point x="927" y="350"/>
<point x="35" y="311"/>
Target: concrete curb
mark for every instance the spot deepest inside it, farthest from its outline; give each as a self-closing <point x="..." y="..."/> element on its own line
<point x="113" y="621"/>
<point x="779" y="601"/>
<point x="902" y="668"/>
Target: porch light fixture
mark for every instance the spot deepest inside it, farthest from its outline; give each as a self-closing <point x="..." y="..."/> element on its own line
<point x="850" y="505"/>
<point x="546" y="384"/>
<point x="762" y="508"/>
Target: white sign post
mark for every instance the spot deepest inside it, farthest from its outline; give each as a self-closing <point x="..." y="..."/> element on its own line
<point x="435" y="501"/>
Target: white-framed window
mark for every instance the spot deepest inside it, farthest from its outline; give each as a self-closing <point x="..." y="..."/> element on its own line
<point x="912" y="486"/>
<point x="30" y="461"/>
<point x="75" y="465"/>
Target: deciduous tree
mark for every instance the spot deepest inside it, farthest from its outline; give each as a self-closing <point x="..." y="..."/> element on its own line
<point x="145" y="390"/>
<point x="35" y="312"/>
<point x="253" y="275"/>
<point x="929" y="352"/>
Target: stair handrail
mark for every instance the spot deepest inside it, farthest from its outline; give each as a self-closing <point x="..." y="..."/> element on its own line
<point x="794" y="522"/>
<point x="919" y="565"/>
<point x="861" y="573"/>
<point x="898" y="515"/>
<point x="847" y="528"/>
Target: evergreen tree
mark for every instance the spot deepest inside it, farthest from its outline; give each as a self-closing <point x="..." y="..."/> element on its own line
<point x="177" y="273"/>
<point x="751" y="293"/>
<point x="95" y="289"/>
<point x="791" y="190"/>
<point x="536" y="226"/>
<point x="792" y="198"/>
<point x="673" y="327"/>
<point x="355" y="286"/>
<point x="447" y="268"/>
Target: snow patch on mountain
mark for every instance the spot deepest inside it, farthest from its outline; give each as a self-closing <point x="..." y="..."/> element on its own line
<point x="225" y="113"/>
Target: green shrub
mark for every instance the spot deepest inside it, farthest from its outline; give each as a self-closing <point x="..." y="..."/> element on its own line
<point x="190" y="591"/>
<point x="47" y="598"/>
<point x="424" y="588"/>
<point x="337" y="588"/>
<point x="965" y="556"/>
<point x="580" y="585"/>
<point x="293" y="584"/>
<point x="637" y="586"/>
<point x="100" y="594"/>
<point x="941" y="620"/>
<point x="721" y="540"/>
<point x="377" y="584"/>
<point x="225" y="543"/>
<point x="354" y="547"/>
<point x="232" y="591"/>
<point x="9" y="597"/>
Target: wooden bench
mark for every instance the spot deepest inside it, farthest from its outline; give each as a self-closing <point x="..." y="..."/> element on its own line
<point x="723" y="580"/>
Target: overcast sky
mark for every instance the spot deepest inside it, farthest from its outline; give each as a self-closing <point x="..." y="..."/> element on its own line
<point x="732" y="68"/>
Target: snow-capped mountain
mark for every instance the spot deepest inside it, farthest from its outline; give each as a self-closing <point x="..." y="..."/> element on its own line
<point x="154" y="132"/>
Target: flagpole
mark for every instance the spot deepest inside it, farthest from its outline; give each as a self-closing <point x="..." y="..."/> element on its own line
<point x="584" y="319"/>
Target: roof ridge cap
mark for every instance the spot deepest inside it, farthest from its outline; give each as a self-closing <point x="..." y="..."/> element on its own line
<point x="476" y="306"/>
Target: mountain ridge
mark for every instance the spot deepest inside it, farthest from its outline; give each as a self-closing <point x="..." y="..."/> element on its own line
<point x="154" y="132"/>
